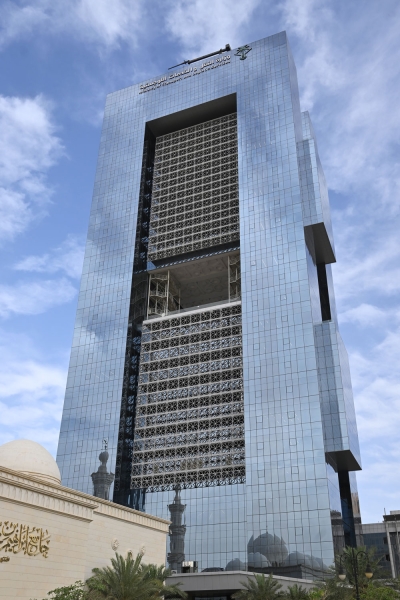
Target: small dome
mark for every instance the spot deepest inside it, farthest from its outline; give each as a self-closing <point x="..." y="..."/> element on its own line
<point x="271" y="546"/>
<point x="103" y="457"/>
<point x="257" y="560"/>
<point x="235" y="565"/>
<point x="29" y="458"/>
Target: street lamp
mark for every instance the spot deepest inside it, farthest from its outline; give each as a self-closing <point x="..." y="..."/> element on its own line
<point x="354" y="564"/>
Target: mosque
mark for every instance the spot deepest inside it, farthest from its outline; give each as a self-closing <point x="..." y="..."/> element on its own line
<point x="52" y="536"/>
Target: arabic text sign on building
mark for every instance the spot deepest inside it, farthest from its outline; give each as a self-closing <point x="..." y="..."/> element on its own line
<point x="184" y="74"/>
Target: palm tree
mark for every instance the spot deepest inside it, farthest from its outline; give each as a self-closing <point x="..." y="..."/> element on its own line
<point x="332" y="589"/>
<point x="259" y="587"/>
<point x="160" y="573"/>
<point x="124" y="580"/>
<point x="296" y="592"/>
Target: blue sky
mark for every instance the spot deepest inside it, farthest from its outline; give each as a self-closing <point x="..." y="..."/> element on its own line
<point x="58" y="62"/>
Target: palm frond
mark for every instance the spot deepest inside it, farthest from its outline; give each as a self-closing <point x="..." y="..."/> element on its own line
<point x="259" y="587"/>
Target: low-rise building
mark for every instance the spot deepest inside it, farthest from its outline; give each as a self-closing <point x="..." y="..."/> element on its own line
<point x="52" y="536"/>
<point x="221" y="585"/>
<point x="384" y="538"/>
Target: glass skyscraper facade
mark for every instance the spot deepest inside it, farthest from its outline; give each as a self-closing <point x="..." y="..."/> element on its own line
<point x="206" y="351"/>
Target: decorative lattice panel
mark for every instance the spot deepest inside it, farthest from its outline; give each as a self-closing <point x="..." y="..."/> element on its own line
<point x="189" y="426"/>
<point x="195" y="199"/>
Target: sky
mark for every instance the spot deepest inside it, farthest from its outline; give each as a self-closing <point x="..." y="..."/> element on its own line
<point x="58" y="62"/>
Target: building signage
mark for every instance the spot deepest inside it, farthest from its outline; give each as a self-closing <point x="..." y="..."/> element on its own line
<point x="185" y="74"/>
<point x="23" y="538"/>
<point x="243" y="52"/>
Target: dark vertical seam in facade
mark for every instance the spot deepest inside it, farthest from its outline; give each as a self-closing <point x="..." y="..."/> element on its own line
<point x="323" y="292"/>
<point x="133" y="345"/>
<point x="347" y="509"/>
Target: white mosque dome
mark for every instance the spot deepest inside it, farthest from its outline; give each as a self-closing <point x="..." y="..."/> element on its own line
<point x="30" y="458"/>
<point x="257" y="560"/>
<point x="235" y="565"/>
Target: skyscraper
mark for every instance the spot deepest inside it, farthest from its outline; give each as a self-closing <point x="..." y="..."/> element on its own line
<point x="206" y="350"/>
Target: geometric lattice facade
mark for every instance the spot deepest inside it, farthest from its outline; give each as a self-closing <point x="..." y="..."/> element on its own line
<point x="189" y="426"/>
<point x="195" y="199"/>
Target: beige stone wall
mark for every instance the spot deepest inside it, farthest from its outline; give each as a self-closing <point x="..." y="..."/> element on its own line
<point x="83" y="530"/>
<point x="105" y="530"/>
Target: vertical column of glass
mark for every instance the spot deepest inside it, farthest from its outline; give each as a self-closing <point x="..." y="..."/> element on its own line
<point x="92" y="403"/>
<point x="288" y="513"/>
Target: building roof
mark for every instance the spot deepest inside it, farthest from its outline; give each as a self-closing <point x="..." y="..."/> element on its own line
<point x="30" y="458"/>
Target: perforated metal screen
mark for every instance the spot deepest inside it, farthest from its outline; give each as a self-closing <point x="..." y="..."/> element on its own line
<point x="189" y="420"/>
<point x="195" y="199"/>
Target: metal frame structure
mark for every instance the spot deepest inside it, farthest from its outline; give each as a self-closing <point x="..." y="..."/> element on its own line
<point x="234" y="275"/>
<point x="164" y="295"/>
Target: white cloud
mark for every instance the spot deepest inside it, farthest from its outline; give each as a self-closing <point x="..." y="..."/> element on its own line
<point x="109" y="22"/>
<point x="320" y="65"/>
<point x="15" y="213"/>
<point x="377" y="392"/>
<point x="381" y="462"/>
<point x="376" y="383"/>
<point x="28" y="142"/>
<point x="67" y="257"/>
<point x="28" y="148"/>
<point x="365" y="315"/>
<point x="34" y="297"/>
<point x="351" y="79"/>
<point x="364" y="268"/>
<point x="98" y="21"/>
<point x="31" y="392"/>
<point x="206" y="26"/>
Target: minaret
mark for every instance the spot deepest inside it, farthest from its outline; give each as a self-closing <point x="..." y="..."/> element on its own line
<point x="102" y="480"/>
<point x="177" y="532"/>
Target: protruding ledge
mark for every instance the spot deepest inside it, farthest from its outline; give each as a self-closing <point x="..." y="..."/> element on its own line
<point x="342" y="460"/>
<point x="322" y="246"/>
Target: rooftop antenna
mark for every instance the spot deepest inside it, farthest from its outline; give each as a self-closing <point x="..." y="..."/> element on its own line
<point x="189" y="62"/>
